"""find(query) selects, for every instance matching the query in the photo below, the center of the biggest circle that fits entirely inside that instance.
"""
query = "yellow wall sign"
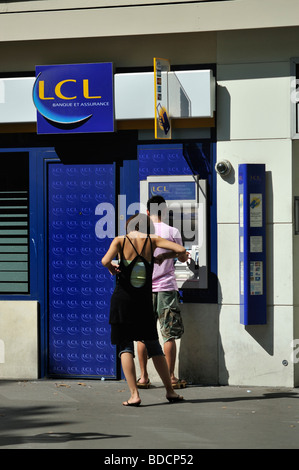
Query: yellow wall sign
(162, 119)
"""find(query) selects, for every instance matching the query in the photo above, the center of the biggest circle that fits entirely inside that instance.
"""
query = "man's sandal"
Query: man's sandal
(180, 383)
(143, 385)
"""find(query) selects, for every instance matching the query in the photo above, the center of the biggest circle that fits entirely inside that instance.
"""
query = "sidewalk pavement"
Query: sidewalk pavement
(88, 414)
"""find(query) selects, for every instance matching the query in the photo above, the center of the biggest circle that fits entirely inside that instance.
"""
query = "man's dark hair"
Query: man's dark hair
(140, 223)
(156, 205)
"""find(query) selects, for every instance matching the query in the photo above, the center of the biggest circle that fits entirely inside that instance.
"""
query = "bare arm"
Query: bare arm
(171, 254)
(177, 251)
(110, 255)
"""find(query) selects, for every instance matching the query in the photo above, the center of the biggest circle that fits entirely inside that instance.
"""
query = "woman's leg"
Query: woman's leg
(155, 352)
(162, 369)
(142, 357)
(128, 365)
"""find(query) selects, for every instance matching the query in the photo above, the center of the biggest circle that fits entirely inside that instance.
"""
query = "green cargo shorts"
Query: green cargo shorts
(167, 310)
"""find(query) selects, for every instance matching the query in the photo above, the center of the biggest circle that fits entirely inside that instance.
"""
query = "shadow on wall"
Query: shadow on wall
(223, 114)
(264, 334)
(201, 355)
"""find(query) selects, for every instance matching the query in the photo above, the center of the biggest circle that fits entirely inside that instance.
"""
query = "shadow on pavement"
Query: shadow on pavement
(14, 420)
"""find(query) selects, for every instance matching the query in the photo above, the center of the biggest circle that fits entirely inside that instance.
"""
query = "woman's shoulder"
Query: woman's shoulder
(118, 240)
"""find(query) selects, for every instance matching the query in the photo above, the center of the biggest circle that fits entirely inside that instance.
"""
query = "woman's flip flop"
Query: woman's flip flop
(127, 403)
(175, 399)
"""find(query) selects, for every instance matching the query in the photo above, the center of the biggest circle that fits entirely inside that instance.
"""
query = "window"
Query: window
(14, 223)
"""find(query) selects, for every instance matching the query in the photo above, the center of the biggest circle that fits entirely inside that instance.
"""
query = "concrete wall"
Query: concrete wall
(254, 125)
(19, 355)
(86, 18)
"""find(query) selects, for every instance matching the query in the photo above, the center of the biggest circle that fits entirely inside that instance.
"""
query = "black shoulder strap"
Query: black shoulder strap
(151, 244)
(145, 241)
(132, 244)
(122, 249)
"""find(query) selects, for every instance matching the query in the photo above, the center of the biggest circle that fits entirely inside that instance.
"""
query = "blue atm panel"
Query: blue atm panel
(79, 286)
(252, 244)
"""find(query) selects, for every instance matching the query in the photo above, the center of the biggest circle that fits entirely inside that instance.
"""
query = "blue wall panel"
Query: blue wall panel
(252, 235)
(160, 159)
(79, 287)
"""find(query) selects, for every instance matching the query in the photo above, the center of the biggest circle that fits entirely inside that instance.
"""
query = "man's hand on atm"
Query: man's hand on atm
(184, 257)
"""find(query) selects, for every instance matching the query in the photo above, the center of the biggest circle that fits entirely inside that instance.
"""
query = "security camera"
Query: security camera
(223, 168)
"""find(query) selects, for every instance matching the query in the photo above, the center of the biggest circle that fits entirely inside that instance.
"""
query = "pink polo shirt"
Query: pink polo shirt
(163, 275)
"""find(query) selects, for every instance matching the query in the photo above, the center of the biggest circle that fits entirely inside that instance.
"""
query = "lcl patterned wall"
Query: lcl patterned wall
(79, 286)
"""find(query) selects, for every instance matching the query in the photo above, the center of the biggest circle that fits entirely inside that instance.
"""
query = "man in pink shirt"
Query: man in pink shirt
(165, 296)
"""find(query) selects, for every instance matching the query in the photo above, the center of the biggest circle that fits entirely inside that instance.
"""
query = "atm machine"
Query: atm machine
(186, 199)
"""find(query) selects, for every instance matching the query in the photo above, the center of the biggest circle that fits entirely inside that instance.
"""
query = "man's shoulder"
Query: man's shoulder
(164, 229)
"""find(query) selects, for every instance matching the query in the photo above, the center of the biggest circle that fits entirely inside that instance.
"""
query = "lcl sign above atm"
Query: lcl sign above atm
(192, 95)
(74, 98)
(173, 190)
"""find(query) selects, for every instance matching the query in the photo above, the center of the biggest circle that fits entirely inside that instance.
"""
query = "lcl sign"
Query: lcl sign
(74, 98)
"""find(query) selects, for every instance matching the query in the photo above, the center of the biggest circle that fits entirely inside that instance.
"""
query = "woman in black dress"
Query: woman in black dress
(131, 310)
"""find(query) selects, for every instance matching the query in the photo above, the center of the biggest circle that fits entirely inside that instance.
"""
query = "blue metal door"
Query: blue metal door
(79, 288)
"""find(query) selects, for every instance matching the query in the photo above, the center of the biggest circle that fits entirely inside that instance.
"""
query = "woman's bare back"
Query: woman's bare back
(142, 246)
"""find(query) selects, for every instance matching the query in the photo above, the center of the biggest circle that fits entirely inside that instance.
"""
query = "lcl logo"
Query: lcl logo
(58, 93)
(74, 96)
(160, 189)
(60, 103)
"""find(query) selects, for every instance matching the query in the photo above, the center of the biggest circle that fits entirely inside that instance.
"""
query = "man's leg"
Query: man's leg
(170, 355)
(172, 328)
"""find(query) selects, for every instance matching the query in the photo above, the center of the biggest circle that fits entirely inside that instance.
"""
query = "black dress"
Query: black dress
(131, 309)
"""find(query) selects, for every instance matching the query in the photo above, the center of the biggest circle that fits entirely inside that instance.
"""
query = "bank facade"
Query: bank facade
(233, 105)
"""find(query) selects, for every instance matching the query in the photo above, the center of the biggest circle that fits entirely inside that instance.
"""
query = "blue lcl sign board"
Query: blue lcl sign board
(74, 98)
(252, 244)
